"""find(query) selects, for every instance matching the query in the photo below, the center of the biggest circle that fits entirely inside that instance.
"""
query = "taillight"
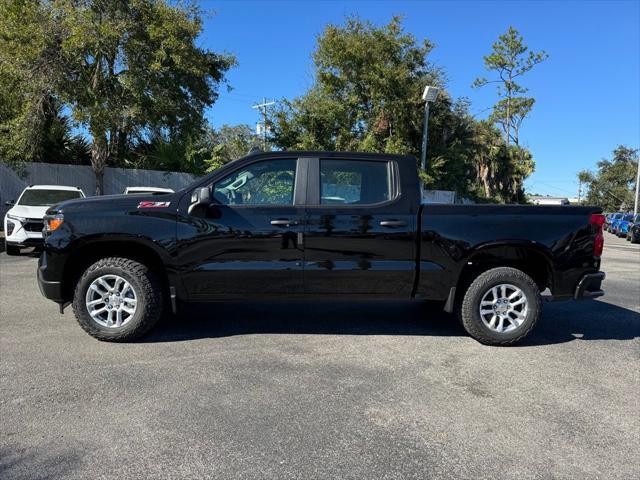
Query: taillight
(598, 220)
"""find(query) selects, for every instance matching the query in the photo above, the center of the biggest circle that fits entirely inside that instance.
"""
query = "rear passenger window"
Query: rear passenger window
(354, 182)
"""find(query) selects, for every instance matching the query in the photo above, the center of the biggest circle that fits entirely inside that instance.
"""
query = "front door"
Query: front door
(249, 240)
(359, 237)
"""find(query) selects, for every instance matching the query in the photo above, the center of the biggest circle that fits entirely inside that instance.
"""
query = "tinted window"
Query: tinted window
(46, 198)
(263, 183)
(352, 182)
(628, 218)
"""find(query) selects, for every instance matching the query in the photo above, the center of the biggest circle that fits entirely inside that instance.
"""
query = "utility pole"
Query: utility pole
(579, 190)
(262, 107)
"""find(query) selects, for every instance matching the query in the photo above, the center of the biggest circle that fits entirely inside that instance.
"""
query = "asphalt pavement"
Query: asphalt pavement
(310, 390)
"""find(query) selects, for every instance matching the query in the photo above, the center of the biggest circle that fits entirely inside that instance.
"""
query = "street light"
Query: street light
(637, 199)
(429, 95)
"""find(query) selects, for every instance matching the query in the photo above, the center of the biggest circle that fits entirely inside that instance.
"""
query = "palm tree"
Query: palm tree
(586, 177)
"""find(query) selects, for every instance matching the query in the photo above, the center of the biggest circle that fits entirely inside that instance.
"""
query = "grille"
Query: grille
(33, 225)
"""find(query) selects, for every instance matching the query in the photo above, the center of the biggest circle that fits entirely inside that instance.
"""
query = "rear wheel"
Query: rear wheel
(501, 306)
(11, 249)
(117, 299)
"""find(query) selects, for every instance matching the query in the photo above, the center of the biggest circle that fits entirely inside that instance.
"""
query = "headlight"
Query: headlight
(16, 218)
(53, 222)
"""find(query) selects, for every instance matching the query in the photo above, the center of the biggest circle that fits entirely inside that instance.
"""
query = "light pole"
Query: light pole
(635, 205)
(429, 95)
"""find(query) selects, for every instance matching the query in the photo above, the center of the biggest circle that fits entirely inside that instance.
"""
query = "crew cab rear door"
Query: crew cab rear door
(249, 240)
(359, 235)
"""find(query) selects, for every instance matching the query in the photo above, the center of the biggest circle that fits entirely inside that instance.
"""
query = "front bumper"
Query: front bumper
(27, 242)
(23, 234)
(590, 286)
(49, 289)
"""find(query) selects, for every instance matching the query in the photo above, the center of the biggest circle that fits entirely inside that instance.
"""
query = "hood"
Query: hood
(115, 203)
(27, 211)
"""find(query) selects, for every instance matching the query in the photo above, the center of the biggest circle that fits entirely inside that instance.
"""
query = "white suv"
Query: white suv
(23, 223)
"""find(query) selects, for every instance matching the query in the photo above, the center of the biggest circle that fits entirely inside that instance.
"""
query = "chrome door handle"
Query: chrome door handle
(393, 223)
(283, 222)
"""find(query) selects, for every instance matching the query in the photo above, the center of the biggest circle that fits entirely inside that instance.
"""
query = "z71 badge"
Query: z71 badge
(149, 204)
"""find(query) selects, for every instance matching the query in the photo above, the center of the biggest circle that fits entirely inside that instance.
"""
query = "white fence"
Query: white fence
(115, 179)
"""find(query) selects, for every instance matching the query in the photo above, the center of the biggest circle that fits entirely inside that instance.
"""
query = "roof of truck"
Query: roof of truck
(328, 154)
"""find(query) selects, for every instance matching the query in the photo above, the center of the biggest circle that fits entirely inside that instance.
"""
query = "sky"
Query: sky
(587, 93)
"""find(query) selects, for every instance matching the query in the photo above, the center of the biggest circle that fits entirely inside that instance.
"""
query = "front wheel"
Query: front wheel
(501, 306)
(117, 300)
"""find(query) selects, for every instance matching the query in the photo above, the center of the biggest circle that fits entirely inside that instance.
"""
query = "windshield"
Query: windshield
(46, 198)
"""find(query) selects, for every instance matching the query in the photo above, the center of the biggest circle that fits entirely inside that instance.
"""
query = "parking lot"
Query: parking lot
(322, 390)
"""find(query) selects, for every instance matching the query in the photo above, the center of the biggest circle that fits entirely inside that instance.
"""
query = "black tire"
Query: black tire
(469, 313)
(12, 250)
(148, 292)
(635, 239)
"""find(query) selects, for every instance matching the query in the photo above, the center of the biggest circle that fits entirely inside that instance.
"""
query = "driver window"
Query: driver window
(270, 182)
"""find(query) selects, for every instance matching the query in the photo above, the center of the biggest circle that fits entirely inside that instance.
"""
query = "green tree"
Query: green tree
(124, 69)
(510, 59)
(28, 109)
(229, 143)
(612, 187)
(585, 177)
(367, 97)
(199, 151)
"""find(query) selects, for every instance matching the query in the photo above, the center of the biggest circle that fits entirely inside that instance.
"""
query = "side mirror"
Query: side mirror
(10, 203)
(200, 200)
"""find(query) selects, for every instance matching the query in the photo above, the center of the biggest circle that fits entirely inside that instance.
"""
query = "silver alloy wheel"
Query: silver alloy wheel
(111, 301)
(503, 308)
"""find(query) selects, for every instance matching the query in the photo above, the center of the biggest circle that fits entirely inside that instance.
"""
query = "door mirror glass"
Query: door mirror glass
(203, 195)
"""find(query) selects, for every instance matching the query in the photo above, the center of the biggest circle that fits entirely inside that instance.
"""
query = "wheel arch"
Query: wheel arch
(89, 252)
(530, 258)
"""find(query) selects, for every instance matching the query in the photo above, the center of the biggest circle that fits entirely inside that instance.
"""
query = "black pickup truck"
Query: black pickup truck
(335, 225)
